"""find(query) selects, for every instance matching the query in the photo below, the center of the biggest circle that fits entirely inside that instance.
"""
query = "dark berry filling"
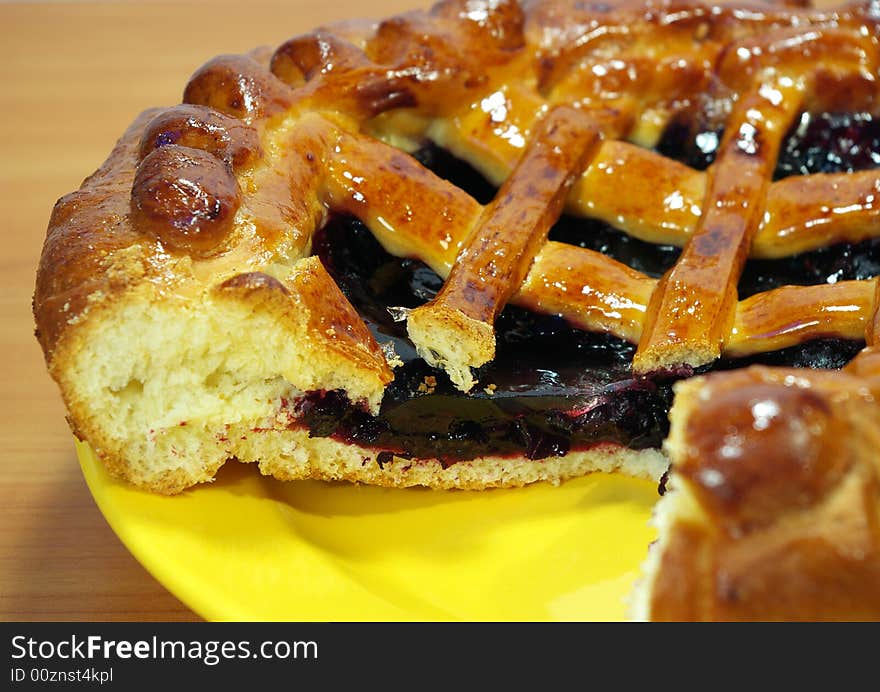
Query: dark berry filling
(841, 262)
(690, 143)
(830, 143)
(553, 388)
(816, 143)
(827, 354)
(550, 389)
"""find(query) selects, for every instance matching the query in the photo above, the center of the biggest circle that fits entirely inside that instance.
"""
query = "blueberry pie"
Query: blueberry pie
(494, 243)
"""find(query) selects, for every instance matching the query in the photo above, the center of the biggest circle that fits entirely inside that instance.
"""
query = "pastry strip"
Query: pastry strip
(589, 289)
(664, 198)
(692, 310)
(456, 329)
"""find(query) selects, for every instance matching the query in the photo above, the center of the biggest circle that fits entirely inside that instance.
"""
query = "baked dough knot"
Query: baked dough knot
(211, 205)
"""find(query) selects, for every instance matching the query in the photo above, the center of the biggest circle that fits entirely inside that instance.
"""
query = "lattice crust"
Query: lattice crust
(291, 143)
(204, 213)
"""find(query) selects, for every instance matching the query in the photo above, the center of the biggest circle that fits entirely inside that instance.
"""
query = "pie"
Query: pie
(494, 243)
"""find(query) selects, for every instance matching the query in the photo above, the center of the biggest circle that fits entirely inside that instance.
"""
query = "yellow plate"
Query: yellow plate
(253, 548)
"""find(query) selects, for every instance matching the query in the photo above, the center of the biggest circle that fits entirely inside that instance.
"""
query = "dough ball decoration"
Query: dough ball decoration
(187, 320)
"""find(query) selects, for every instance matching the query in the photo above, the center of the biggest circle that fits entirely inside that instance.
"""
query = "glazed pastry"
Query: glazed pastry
(374, 256)
(773, 511)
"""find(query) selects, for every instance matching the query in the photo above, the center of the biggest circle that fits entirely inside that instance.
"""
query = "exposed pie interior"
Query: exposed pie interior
(371, 255)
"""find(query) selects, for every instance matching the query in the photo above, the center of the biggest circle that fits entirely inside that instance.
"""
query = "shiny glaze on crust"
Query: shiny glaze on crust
(499, 251)
(800, 540)
(782, 466)
(239, 86)
(528, 60)
(359, 87)
(200, 127)
(665, 199)
(849, 211)
(595, 292)
(690, 312)
(872, 333)
(184, 197)
(511, 230)
(91, 247)
(783, 472)
(311, 297)
(793, 314)
(590, 290)
(732, 474)
(784, 476)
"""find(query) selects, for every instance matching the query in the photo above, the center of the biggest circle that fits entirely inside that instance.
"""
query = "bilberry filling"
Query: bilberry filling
(552, 388)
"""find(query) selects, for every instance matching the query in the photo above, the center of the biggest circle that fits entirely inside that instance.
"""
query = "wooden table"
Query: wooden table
(73, 76)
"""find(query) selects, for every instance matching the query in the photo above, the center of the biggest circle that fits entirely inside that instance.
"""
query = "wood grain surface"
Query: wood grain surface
(73, 76)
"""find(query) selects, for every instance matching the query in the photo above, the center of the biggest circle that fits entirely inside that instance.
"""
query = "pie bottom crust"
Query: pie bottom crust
(291, 454)
(172, 363)
(327, 459)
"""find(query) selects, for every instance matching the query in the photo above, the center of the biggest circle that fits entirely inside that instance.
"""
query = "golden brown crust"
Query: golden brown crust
(456, 329)
(777, 490)
(199, 127)
(692, 310)
(313, 298)
(88, 228)
(239, 86)
(203, 217)
(186, 198)
(281, 197)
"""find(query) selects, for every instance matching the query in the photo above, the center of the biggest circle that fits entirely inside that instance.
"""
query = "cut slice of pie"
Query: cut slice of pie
(488, 244)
